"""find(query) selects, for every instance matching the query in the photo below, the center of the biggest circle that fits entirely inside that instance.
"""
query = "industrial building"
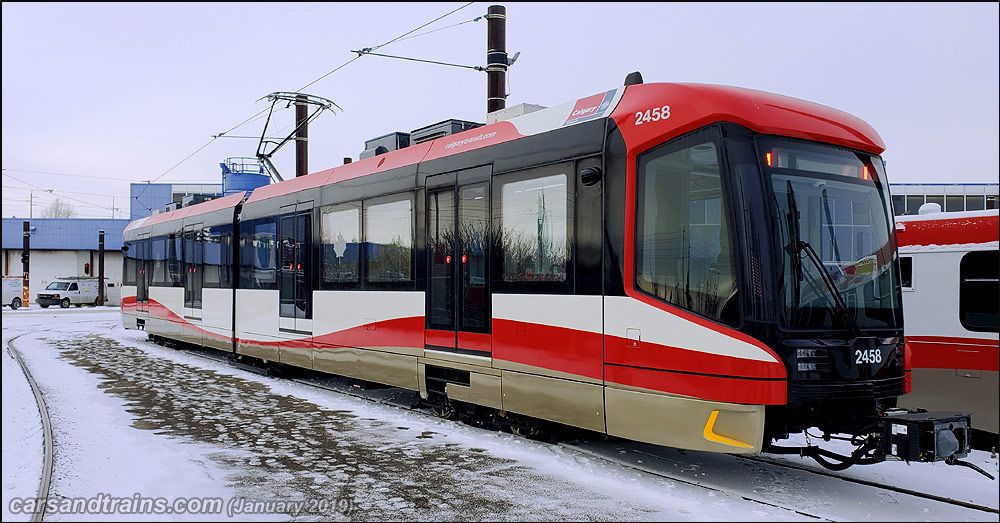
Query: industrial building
(64, 248)
(908, 197)
(68, 247)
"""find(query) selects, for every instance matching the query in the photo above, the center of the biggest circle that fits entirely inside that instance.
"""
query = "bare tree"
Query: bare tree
(59, 209)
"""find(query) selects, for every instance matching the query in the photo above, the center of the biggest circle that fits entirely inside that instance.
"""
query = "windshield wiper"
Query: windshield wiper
(795, 246)
(792, 218)
(841, 305)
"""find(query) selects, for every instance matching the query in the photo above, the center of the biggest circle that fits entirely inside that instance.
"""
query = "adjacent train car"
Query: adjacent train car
(949, 264)
(697, 266)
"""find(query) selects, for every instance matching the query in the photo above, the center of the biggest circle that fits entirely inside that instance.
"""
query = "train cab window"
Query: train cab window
(341, 243)
(683, 254)
(979, 288)
(389, 239)
(535, 215)
(906, 272)
(128, 269)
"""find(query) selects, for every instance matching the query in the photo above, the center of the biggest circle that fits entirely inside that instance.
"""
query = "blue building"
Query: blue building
(64, 247)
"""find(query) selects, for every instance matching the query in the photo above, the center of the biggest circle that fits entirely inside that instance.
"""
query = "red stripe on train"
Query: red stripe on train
(712, 388)
(942, 352)
(948, 231)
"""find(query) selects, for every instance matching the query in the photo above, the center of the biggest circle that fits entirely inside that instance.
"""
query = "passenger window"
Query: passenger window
(683, 254)
(535, 214)
(264, 255)
(979, 288)
(73, 287)
(906, 272)
(389, 239)
(159, 258)
(174, 271)
(341, 240)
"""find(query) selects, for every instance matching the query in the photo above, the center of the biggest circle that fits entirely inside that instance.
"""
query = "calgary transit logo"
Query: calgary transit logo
(590, 107)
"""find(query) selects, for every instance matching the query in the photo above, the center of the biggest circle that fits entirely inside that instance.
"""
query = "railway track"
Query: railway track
(47, 438)
(640, 456)
(654, 461)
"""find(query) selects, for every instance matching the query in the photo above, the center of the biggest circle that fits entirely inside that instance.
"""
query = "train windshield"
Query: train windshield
(838, 260)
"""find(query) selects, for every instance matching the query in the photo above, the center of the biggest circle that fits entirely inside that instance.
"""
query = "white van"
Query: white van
(12, 292)
(63, 292)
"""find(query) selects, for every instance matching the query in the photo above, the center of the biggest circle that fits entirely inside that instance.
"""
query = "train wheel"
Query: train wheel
(444, 409)
(15, 304)
(64, 303)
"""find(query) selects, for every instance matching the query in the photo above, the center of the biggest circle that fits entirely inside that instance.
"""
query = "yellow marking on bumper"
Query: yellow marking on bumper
(712, 436)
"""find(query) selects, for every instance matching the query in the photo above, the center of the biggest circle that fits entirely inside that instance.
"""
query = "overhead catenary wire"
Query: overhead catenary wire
(404, 36)
(53, 190)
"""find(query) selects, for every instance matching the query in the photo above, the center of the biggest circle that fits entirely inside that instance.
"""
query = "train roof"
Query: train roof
(966, 228)
(690, 106)
(190, 211)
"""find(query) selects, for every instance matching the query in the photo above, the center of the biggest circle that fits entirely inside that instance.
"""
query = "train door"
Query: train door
(142, 273)
(458, 284)
(294, 271)
(192, 251)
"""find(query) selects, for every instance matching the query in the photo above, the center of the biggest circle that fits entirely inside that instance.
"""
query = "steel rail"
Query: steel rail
(47, 437)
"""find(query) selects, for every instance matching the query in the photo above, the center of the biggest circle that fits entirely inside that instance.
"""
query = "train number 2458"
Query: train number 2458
(868, 356)
(652, 115)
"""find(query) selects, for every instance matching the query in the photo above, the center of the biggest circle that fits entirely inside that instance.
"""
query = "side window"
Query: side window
(159, 257)
(341, 243)
(683, 254)
(128, 269)
(979, 291)
(536, 217)
(175, 272)
(73, 287)
(906, 272)
(388, 238)
(263, 255)
(213, 257)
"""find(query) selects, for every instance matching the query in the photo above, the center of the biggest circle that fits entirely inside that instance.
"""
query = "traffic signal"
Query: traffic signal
(86, 269)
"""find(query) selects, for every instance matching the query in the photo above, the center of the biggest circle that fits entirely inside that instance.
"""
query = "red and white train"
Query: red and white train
(951, 296)
(696, 266)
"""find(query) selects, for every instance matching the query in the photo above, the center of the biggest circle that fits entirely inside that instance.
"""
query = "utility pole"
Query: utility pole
(25, 250)
(31, 204)
(100, 267)
(301, 137)
(496, 58)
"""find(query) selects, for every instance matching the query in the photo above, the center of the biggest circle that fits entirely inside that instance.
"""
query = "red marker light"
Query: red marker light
(864, 173)
(465, 258)
(447, 259)
(768, 159)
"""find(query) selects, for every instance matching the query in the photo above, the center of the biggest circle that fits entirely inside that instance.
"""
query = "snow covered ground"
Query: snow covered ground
(136, 420)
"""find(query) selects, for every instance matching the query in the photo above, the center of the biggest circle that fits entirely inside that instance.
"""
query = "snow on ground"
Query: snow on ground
(133, 418)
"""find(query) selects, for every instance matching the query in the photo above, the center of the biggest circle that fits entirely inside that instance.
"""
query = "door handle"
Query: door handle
(632, 338)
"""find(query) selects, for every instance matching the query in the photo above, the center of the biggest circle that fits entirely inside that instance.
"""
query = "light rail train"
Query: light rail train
(696, 266)
(949, 265)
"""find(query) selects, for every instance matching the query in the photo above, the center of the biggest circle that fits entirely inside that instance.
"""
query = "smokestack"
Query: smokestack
(496, 58)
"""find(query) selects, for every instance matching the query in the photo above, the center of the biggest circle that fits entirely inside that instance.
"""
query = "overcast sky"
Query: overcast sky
(117, 93)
